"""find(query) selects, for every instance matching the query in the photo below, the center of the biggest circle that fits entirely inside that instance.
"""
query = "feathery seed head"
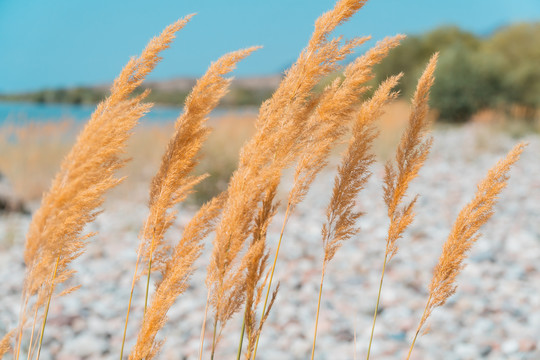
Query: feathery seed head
(411, 154)
(464, 232)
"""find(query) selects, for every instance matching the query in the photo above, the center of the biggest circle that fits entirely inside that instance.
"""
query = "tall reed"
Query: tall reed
(411, 154)
(178, 270)
(281, 133)
(464, 234)
(173, 182)
(171, 185)
(328, 124)
(352, 175)
(54, 238)
(256, 271)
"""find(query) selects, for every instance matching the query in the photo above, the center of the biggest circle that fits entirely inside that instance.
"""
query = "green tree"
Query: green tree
(519, 48)
(466, 82)
(414, 52)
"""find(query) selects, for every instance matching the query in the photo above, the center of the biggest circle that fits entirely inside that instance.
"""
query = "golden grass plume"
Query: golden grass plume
(411, 154)
(178, 270)
(464, 234)
(88, 171)
(173, 182)
(329, 122)
(331, 113)
(353, 173)
(281, 132)
(171, 185)
(257, 258)
(5, 343)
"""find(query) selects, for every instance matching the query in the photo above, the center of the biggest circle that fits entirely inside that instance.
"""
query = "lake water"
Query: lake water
(22, 113)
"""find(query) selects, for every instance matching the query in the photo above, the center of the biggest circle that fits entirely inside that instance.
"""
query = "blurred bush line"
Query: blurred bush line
(500, 72)
(238, 96)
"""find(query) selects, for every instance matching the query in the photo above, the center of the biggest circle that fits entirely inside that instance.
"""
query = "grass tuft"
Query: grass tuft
(297, 128)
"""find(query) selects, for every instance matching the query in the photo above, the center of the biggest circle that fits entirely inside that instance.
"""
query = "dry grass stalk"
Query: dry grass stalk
(256, 271)
(328, 123)
(289, 109)
(173, 182)
(5, 343)
(464, 234)
(281, 131)
(411, 154)
(178, 270)
(86, 173)
(351, 178)
(331, 119)
(353, 173)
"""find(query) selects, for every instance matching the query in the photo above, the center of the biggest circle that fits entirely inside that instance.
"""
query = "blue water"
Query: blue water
(22, 113)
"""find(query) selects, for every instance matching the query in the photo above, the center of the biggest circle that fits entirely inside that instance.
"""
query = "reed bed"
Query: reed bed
(297, 128)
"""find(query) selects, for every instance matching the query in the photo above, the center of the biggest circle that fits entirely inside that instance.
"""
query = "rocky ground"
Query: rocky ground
(495, 313)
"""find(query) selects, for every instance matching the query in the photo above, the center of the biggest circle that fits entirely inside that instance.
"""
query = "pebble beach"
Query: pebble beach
(494, 314)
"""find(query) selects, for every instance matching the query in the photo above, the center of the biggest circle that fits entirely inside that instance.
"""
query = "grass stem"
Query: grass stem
(214, 339)
(419, 327)
(31, 347)
(22, 319)
(241, 338)
(47, 308)
(129, 303)
(131, 295)
(375, 313)
(147, 284)
(272, 272)
(203, 328)
(149, 271)
(318, 309)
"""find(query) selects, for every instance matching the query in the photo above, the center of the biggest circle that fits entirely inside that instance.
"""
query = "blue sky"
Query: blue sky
(56, 43)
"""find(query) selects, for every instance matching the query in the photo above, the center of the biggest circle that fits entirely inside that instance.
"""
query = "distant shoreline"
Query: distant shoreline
(243, 92)
(21, 112)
